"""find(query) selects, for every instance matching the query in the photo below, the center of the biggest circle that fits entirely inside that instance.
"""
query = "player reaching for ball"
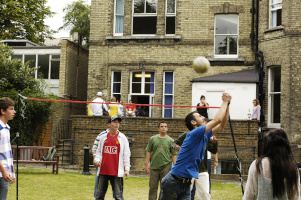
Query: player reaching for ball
(176, 184)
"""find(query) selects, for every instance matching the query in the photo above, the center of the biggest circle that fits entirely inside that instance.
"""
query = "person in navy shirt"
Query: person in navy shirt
(176, 184)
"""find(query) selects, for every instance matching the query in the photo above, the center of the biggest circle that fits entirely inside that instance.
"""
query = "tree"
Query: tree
(15, 78)
(23, 19)
(77, 19)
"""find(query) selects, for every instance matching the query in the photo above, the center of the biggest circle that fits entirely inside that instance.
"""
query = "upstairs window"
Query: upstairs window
(274, 95)
(170, 22)
(145, 17)
(275, 13)
(116, 85)
(226, 36)
(119, 17)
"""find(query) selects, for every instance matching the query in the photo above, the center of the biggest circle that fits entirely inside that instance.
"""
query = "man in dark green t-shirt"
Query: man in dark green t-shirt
(160, 154)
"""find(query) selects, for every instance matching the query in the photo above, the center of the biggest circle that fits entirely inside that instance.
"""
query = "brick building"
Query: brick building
(143, 51)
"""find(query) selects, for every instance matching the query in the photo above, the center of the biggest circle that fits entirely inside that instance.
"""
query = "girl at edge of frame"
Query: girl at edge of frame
(275, 174)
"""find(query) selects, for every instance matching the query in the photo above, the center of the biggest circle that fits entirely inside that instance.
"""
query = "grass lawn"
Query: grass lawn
(42, 184)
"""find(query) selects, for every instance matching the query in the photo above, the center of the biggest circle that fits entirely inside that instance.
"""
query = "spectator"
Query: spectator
(130, 110)
(275, 174)
(256, 110)
(161, 154)
(7, 173)
(89, 108)
(120, 108)
(203, 111)
(139, 112)
(112, 159)
(113, 107)
(99, 108)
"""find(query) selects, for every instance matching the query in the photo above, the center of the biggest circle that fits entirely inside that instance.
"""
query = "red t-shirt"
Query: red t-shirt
(110, 156)
(130, 107)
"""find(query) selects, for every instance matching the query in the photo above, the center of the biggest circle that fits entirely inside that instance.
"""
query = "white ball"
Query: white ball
(201, 64)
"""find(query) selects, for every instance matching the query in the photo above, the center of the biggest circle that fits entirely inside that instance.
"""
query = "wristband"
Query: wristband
(216, 161)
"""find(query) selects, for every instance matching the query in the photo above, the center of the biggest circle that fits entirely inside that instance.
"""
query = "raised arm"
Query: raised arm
(222, 125)
(220, 115)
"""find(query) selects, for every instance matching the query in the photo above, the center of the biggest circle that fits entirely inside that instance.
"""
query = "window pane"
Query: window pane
(168, 112)
(136, 76)
(151, 6)
(149, 76)
(136, 87)
(119, 7)
(118, 97)
(220, 45)
(168, 100)
(169, 77)
(32, 59)
(55, 70)
(117, 77)
(43, 63)
(168, 88)
(233, 45)
(226, 24)
(116, 87)
(144, 25)
(17, 57)
(171, 6)
(139, 6)
(275, 100)
(170, 25)
(276, 82)
(279, 17)
(119, 24)
(149, 88)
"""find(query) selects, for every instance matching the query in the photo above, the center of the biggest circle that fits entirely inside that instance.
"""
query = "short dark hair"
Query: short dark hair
(188, 120)
(162, 122)
(202, 97)
(5, 102)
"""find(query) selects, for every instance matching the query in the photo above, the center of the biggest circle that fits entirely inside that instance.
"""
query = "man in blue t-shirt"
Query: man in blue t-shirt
(176, 184)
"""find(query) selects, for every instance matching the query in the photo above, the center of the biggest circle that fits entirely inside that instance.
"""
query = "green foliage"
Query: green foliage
(77, 19)
(15, 78)
(23, 19)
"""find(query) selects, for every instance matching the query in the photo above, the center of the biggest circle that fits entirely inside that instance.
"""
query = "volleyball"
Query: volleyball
(201, 64)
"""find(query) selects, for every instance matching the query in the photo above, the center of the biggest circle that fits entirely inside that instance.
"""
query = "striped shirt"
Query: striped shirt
(6, 156)
(96, 142)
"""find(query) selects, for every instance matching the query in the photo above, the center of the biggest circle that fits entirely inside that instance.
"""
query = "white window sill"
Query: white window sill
(277, 28)
(274, 125)
(226, 59)
(144, 37)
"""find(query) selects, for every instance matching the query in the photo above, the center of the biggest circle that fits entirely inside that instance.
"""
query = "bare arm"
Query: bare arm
(174, 158)
(222, 125)
(216, 160)
(5, 174)
(220, 116)
(148, 156)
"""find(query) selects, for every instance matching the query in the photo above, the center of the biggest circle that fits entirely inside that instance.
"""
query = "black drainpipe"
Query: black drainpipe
(259, 60)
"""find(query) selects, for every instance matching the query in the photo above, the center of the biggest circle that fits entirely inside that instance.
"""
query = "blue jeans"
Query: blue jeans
(209, 172)
(173, 189)
(96, 184)
(3, 189)
(117, 186)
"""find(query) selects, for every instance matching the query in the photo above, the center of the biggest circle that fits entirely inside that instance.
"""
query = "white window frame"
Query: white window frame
(142, 15)
(112, 83)
(278, 5)
(226, 55)
(142, 83)
(270, 80)
(173, 93)
(114, 24)
(170, 15)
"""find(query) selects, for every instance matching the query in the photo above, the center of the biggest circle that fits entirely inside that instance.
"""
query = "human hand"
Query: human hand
(213, 139)
(147, 169)
(97, 164)
(177, 148)
(6, 176)
(13, 181)
(215, 164)
(127, 174)
(226, 97)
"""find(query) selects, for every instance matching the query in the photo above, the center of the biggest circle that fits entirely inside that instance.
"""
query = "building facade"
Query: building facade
(143, 50)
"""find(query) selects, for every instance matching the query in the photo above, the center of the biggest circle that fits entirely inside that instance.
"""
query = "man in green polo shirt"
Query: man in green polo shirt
(160, 154)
